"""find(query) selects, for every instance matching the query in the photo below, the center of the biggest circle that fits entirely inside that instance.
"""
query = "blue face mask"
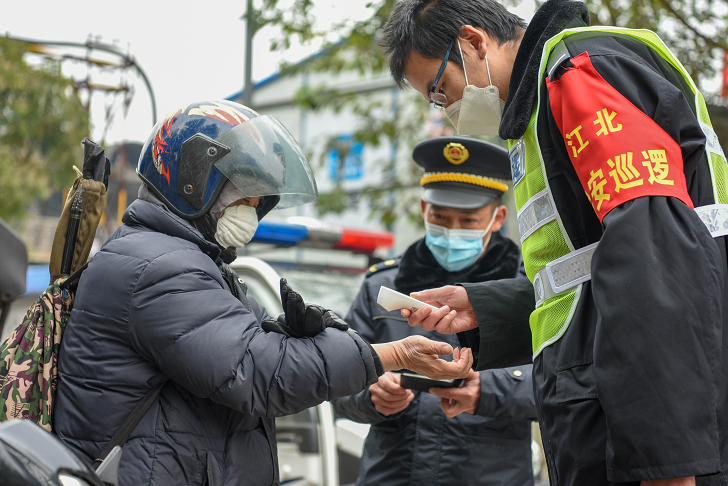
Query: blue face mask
(456, 249)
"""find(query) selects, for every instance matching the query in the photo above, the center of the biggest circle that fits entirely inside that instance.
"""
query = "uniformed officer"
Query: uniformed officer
(448, 436)
(620, 187)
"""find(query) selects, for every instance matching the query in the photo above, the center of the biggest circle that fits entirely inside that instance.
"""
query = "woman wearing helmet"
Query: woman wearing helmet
(158, 304)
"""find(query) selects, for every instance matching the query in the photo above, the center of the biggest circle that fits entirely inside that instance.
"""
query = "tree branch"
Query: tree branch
(710, 41)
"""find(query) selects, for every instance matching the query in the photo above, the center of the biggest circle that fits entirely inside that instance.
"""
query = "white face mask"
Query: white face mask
(480, 110)
(236, 226)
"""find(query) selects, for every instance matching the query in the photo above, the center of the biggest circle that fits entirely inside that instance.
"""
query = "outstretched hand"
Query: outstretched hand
(455, 313)
(422, 355)
(461, 399)
(388, 396)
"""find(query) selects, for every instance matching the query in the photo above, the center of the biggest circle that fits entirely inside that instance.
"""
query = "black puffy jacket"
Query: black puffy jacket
(153, 306)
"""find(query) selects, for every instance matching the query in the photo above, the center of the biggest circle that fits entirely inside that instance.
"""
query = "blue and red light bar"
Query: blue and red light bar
(311, 233)
(283, 234)
(363, 241)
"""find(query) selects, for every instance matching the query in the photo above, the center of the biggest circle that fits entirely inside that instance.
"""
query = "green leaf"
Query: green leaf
(42, 123)
(695, 30)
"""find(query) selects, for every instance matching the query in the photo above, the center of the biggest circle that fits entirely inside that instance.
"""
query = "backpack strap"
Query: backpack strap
(74, 276)
(123, 433)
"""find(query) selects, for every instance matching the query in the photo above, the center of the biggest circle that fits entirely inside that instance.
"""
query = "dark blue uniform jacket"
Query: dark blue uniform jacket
(421, 445)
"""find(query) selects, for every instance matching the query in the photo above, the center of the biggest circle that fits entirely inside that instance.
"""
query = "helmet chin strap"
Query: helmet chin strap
(228, 255)
(266, 204)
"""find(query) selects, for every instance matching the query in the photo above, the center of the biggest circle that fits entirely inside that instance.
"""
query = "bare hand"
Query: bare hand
(670, 482)
(455, 313)
(463, 399)
(419, 354)
(388, 396)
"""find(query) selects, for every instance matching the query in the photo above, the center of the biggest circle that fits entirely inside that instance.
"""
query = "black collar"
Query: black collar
(553, 17)
(418, 269)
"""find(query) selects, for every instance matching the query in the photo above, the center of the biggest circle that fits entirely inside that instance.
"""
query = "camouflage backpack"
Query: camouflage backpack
(29, 357)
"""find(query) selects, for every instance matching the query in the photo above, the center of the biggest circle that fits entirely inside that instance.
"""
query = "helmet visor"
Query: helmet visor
(265, 160)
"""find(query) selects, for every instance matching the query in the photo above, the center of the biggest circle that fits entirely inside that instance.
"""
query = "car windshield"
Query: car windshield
(331, 287)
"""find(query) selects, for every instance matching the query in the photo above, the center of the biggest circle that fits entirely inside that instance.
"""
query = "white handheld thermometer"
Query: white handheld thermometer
(392, 300)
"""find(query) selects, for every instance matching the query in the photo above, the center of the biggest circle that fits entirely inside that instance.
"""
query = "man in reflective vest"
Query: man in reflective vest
(620, 186)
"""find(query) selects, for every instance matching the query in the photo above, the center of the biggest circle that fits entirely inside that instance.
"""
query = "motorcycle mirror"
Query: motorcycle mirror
(33, 457)
(108, 471)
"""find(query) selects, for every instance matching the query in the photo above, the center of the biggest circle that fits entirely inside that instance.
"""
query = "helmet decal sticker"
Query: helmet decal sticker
(221, 112)
(161, 142)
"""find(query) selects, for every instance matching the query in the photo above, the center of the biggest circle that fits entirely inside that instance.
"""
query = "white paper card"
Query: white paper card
(392, 300)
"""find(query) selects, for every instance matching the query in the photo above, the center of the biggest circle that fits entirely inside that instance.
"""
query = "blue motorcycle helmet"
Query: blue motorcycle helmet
(194, 151)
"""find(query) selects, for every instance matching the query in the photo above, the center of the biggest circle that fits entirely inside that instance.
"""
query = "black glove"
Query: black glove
(300, 319)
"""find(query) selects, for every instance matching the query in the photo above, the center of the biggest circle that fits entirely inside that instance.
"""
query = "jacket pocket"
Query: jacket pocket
(576, 382)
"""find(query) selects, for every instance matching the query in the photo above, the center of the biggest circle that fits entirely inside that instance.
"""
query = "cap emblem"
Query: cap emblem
(455, 153)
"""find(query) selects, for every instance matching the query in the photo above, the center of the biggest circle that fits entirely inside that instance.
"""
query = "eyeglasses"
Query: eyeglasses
(436, 98)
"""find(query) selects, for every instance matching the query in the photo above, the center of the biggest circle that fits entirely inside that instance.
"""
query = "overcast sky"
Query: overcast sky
(190, 50)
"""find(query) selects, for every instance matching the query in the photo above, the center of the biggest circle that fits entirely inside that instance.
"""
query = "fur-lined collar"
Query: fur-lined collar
(553, 17)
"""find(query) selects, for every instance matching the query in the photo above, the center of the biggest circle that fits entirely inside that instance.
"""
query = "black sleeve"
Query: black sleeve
(359, 408)
(503, 337)
(656, 280)
(507, 393)
(182, 319)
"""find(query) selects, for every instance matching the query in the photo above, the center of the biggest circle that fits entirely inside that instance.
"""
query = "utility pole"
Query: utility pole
(249, 33)
(123, 162)
(41, 47)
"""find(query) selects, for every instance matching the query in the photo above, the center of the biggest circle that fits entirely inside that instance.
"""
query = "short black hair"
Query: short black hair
(428, 27)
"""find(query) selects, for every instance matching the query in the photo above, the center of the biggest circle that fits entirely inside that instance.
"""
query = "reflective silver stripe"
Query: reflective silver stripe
(563, 274)
(712, 142)
(574, 268)
(537, 211)
(541, 290)
(715, 218)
